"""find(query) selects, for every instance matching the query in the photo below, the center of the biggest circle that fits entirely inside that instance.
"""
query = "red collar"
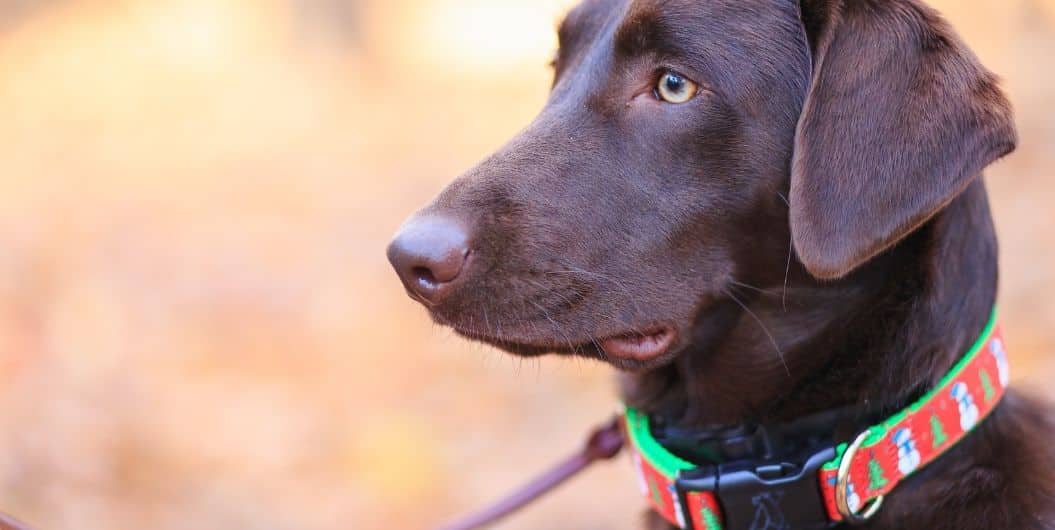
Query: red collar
(830, 485)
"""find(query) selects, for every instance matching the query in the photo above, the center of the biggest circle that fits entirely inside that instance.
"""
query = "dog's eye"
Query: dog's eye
(675, 88)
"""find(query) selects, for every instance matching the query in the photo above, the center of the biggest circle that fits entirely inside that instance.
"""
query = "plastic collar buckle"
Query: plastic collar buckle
(772, 496)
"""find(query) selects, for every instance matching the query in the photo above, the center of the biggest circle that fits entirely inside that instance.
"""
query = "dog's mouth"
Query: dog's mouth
(644, 345)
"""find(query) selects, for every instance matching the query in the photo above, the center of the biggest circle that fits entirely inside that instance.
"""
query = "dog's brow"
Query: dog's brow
(565, 28)
(571, 23)
(644, 28)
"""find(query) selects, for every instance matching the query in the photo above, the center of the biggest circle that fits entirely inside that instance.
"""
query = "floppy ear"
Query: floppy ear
(900, 118)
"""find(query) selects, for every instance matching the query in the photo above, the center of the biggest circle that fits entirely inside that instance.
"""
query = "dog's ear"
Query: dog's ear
(899, 119)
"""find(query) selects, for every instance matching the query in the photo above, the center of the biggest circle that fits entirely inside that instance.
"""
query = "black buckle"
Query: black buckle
(772, 496)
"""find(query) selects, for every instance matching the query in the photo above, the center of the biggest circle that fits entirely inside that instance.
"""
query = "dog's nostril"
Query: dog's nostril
(429, 254)
(425, 277)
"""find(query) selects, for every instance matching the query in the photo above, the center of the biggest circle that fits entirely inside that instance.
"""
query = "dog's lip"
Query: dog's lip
(510, 344)
(644, 345)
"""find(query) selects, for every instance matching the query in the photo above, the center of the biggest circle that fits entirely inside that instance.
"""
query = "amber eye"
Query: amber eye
(675, 88)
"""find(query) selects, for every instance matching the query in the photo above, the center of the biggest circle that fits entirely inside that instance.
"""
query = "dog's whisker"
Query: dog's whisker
(760, 290)
(787, 267)
(784, 199)
(607, 316)
(534, 326)
(576, 270)
(487, 320)
(787, 273)
(577, 349)
(557, 327)
(597, 345)
(765, 329)
(568, 300)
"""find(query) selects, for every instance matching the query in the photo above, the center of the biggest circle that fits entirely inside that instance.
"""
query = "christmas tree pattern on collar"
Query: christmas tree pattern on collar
(885, 455)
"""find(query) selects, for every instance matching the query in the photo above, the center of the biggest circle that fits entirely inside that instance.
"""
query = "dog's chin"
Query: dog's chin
(651, 347)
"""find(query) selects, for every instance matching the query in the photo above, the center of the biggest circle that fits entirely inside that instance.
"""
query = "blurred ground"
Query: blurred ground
(197, 325)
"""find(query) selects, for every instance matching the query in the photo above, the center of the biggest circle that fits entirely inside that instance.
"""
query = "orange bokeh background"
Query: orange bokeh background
(198, 328)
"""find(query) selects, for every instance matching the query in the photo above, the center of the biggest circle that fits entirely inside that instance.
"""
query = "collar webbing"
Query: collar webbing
(890, 451)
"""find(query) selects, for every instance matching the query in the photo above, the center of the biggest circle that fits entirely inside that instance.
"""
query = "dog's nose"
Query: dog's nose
(429, 254)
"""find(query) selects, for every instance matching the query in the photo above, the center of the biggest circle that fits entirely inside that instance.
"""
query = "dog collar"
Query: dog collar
(832, 483)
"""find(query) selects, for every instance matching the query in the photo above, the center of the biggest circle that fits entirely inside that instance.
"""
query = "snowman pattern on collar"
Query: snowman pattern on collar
(1003, 367)
(908, 456)
(969, 413)
(853, 500)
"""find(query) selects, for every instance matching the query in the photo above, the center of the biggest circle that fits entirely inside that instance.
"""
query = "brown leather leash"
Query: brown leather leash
(604, 443)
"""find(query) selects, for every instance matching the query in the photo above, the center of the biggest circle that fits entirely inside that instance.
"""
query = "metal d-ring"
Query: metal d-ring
(842, 485)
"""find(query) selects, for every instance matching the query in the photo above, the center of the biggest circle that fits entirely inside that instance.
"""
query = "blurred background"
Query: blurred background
(198, 328)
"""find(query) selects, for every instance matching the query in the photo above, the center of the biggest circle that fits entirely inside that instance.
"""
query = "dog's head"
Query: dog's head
(685, 146)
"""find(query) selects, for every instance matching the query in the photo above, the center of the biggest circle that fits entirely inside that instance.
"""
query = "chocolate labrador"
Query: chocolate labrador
(758, 210)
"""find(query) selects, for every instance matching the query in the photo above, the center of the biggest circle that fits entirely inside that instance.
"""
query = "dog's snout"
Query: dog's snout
(430, 254)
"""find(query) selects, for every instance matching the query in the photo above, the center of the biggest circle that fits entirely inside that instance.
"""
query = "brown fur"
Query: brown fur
(813, 225)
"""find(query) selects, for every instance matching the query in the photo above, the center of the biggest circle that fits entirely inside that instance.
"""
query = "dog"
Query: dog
(756, 210)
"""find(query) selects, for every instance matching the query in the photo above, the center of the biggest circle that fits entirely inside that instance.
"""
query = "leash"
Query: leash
(604, 443)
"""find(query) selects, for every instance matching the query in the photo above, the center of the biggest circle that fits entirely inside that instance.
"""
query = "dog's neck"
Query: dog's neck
(877, 339)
